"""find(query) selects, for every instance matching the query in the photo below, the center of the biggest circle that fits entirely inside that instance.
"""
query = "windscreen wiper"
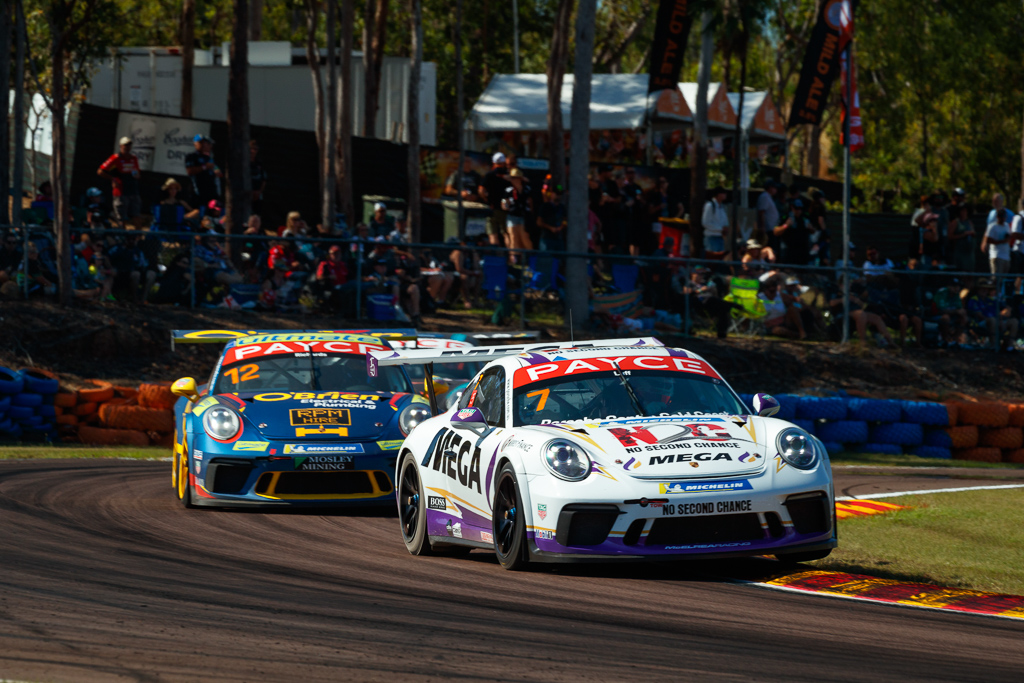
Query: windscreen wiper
(312, 368)
(629, 390)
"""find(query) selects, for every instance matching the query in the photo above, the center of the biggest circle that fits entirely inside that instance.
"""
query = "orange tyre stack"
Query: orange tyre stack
(107, 415)
(998, 431)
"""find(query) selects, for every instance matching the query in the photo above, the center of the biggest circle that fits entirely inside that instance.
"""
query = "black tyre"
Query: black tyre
(412, 508)
(809, 556)
(509, 521)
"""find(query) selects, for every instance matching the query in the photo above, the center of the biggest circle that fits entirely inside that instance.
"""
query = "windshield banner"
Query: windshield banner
(251, 351)
(566, 368)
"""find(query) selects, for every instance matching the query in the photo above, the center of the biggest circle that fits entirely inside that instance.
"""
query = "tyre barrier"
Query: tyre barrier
(1001, 437)
(748, 402)
(931, 452)
(11, 382)
(964, 436)
(27, 400)
(983, 414)
(979, 454)
(873, 410)
(156, 395)
(47, 411)
(931, 414)
(138, 418)
(832, 447)
(898, 434)
(100, 391)
(953, 414)
(787, 406)
(112, 437)
(1016, 414)
(806, 425)
(18, 413)
(87, 408)
(938, 438)
(843, 431)
(5, 403)
(38, 381)
(1016, 455)
(816, 408)
(883, 448)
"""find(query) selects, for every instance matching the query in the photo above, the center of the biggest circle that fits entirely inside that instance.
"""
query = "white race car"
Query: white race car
(603, 450)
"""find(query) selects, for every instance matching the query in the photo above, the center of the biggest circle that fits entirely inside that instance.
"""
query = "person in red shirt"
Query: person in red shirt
(122, 170)
(332, 270)
(334, 290)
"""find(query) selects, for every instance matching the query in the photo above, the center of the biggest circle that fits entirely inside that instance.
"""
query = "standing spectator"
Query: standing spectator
(914, 237)
(998, 203)
(466, 183)
(492, 191)
(961, 239)
(997, 242)
(551, 220)
(610, 210)
(1017, 234)
(10, 257)
(638, 233)
(205, 175)
(257, 176)
(930, 246)
(659, 205)
(795, 237)
(516, 204)
(715, 222)
(122, 170)
(767, 212)
(172, 212)
(381, 224)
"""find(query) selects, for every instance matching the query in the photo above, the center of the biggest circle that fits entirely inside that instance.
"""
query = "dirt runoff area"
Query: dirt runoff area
(131, 344)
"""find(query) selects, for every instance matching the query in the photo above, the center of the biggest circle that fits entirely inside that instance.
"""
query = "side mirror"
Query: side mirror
(470, 419)
(186, 386)
(765, 405)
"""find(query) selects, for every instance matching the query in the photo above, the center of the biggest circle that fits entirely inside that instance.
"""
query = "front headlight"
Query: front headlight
(411, 416)
(222, 423)
(797, 448)
(566, 460)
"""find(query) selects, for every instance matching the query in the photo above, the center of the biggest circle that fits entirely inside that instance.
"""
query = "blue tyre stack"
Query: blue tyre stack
(27, 412)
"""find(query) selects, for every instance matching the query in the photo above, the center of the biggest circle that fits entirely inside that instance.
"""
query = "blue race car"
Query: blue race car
(290, 418)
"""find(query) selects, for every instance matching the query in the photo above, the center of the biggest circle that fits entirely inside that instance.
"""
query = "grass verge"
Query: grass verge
(969, 539)
(914, 461)
(35, 452)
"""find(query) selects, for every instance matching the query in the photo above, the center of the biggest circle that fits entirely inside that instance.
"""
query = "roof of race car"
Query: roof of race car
(267, 338)
(540, 365)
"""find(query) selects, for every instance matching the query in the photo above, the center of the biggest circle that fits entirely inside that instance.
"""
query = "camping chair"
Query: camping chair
(545, 275)
(748, 312)
(624, 276)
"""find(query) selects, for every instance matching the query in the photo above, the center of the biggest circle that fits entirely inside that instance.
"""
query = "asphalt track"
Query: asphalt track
(105, 577)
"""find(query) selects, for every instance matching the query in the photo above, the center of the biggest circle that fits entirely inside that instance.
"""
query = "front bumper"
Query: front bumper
(230, 479)
(795, 514)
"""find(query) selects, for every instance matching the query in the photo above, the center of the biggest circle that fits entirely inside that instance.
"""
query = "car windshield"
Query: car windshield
(299, 372)
(461, 372)
(603, 395)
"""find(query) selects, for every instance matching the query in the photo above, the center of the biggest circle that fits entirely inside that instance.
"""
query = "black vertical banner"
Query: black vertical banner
(670, 36)
(821, 67)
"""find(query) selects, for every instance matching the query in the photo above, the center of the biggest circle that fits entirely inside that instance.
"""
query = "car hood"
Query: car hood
(321, 415)
(688, 447)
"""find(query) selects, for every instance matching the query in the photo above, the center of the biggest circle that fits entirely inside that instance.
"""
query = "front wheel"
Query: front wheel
(509, 521)
(184, 486)
(412, 508)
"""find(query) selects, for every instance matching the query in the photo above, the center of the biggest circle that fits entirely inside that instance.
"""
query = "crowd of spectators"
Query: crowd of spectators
(296, 266)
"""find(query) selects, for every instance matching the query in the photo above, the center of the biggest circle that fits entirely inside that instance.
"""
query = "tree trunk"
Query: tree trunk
(577, 296)
(343, 158)
(239, 202)
(699, 175)
(58, 173)
(313, 57)
(416, 61)
(18, 179)
(188, 55)
(460, 135)
(327, 201)
(739, 149)
(814, 151)
(374, 35)
(556, 76)
(256, 20)
(5, 78)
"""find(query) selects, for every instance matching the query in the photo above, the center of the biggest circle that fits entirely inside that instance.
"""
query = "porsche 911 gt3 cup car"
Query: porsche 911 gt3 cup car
(603, 450)
(291, 419)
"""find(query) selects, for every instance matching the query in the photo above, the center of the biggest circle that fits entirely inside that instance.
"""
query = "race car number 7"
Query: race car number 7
(542, 401)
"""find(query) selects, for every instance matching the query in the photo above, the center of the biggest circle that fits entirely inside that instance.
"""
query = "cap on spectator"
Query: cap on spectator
(125, 141)
(335, 248)
(169, 183)
(792, 280)
(197, 138)
(380, 262)
(93, 192)
(959, 192)
(498, 158)
(380, 206)
(852, 246)
(214, 205)
(718, 190)
(753, 244)
(798, 204)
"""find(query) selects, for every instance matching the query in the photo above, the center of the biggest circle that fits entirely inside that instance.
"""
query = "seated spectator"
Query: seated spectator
(280, 289)
(439, 276)
(884, 299)
(10, 257)
(214, 263)
(96, 213)
(380, 279)
(987, 318)
(781, 320)
(174, 286)
(859, 315)
(946, 309)
(756, 259)
(83, 281)
(469, 270)
(103, 270)
(465, 183)
(252, 249)
(134, 272)
(876, 264)
(410, 289)
(381, 224)
(702, 291)
(292, 222)
(171, 214)
(401, 234)
(42, 280)
(45, 192)
(332, 281)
